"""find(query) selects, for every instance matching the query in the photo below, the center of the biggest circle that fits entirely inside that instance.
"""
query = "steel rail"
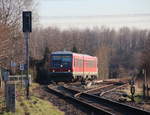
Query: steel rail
(90, 107)
(120, 107)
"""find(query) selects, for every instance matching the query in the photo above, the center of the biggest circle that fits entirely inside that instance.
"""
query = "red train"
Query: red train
(69, 66)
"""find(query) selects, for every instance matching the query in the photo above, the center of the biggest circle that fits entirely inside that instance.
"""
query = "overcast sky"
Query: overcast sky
(89, 13)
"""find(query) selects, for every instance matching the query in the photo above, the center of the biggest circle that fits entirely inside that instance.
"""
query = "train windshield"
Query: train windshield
(61, 61)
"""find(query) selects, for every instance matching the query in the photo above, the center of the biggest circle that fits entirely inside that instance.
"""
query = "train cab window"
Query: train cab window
(61, 61)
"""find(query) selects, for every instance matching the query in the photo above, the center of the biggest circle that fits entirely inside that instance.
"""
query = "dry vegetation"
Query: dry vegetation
(120, 52)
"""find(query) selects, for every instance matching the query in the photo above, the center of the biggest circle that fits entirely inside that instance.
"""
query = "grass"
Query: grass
(138, 98)
(34, 106)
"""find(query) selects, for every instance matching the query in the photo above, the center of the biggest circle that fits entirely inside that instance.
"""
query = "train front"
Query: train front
(60, 66)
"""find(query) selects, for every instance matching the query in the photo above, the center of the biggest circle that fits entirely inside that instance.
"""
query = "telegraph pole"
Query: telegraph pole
(27, 28)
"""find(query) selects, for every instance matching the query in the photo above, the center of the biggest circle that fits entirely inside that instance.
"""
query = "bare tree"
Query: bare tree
(145, 57)
(118, 51)
(103, 53)
(10, 28)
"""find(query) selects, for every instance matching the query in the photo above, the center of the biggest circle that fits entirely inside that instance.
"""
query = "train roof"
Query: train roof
(62, 52)
(69, 52)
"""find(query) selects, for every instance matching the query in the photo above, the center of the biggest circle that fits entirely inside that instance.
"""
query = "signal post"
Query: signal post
(27, 28)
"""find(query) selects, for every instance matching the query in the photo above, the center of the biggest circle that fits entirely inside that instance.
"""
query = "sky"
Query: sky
(91, 13)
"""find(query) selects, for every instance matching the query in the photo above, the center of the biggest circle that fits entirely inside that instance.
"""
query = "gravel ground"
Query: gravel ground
(68, 107)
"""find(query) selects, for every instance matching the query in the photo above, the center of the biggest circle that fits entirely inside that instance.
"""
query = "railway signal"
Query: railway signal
(27, 21)
(27, 28)
(132, 89)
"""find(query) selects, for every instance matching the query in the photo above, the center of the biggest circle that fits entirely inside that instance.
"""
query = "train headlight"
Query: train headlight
(61, 65)
(53, 70)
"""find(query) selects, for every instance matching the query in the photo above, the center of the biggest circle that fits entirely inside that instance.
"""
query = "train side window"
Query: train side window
(74, 62)
(79, 63)
(87, 63)
(93, 63)
(90, 64)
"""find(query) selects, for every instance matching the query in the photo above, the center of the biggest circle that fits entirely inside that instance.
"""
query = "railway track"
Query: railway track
(95, 104)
